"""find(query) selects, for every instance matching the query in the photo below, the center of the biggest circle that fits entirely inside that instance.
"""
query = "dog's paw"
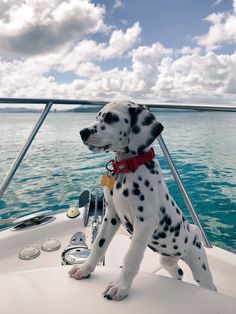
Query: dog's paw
(117, 290)
(79, 272)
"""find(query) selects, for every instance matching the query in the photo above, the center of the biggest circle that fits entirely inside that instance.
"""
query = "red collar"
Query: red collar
(127, 165)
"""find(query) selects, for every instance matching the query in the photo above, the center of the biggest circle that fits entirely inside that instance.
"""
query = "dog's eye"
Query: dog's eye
(111, 118)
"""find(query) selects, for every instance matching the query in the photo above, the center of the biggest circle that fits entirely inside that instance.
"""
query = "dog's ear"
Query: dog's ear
(144, 128)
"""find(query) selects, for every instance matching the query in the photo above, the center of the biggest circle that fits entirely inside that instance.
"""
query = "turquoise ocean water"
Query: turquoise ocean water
(58, 166)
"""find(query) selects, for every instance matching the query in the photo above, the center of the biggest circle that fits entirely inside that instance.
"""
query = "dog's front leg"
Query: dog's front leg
(111, 223)
(143, 231)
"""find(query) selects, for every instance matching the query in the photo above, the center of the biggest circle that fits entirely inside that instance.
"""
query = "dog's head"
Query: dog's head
(122, 127)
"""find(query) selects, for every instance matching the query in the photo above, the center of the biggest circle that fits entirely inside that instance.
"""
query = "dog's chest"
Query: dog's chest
(132, 192)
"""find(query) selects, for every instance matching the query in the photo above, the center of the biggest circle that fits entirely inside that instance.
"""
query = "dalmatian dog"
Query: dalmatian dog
(141, 202)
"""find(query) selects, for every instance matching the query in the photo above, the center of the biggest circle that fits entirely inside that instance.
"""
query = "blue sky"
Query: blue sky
(172, 22)
(178, 50)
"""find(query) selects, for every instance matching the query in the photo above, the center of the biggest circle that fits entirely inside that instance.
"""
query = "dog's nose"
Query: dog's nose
(85, 133)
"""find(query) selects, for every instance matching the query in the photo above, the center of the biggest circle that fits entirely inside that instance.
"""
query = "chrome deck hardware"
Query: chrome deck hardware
(77, 252)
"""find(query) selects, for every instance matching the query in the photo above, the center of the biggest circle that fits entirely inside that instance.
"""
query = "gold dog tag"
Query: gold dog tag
(108, 181)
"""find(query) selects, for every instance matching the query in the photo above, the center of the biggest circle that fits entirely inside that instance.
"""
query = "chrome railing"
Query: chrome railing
(50, 102)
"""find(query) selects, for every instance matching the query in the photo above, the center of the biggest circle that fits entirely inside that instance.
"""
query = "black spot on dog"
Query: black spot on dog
(128, 225)
(113, 221)
(165, 254)
(140, 208)
(163, 209)
(105, 219)
(126, 192)
(136, 191)
(141, 148)
(146, 182)
(142, 198)
(155, 237)
(148, 120)
(185, 240)
(163, 245)
(150, 164)
(162, 235)
(178, 225)
(174, 240)
(136, 129)
(172, 202)
(126, 149)
(177, 254)
(140, 218)
(103, 127)
(204, 266)
(126, 120)
(133, 116)
(194, 240)
(198, 244)
(135, 185)
(166, 228)
(180, 272)
(124, 181)
(140, 179)
(162, 221)
(111, 192)
(101, 242)
(155, 242)
(175, 247)
(167, 196)
(111, 118)
(176, 233)
(152, 248)
(168, 220)
(118, 185)
(172, 229)
(177, 211)
(151, 189)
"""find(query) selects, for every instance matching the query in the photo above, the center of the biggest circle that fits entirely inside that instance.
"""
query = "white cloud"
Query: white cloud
(155, 72)
(90, 51)
(186, 50)
(118, 4)
(199, 77)
(145, 62)
(217, 2)
(39, 26)
(222, 30)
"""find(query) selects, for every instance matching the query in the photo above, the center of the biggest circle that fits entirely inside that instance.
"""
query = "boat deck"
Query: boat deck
(222, 263)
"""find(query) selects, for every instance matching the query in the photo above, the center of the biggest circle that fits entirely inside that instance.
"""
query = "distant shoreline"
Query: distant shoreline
(93, 109)
(30, 110)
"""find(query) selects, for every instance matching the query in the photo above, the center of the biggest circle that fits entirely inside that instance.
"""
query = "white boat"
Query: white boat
(39, 283)
(37, 253)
